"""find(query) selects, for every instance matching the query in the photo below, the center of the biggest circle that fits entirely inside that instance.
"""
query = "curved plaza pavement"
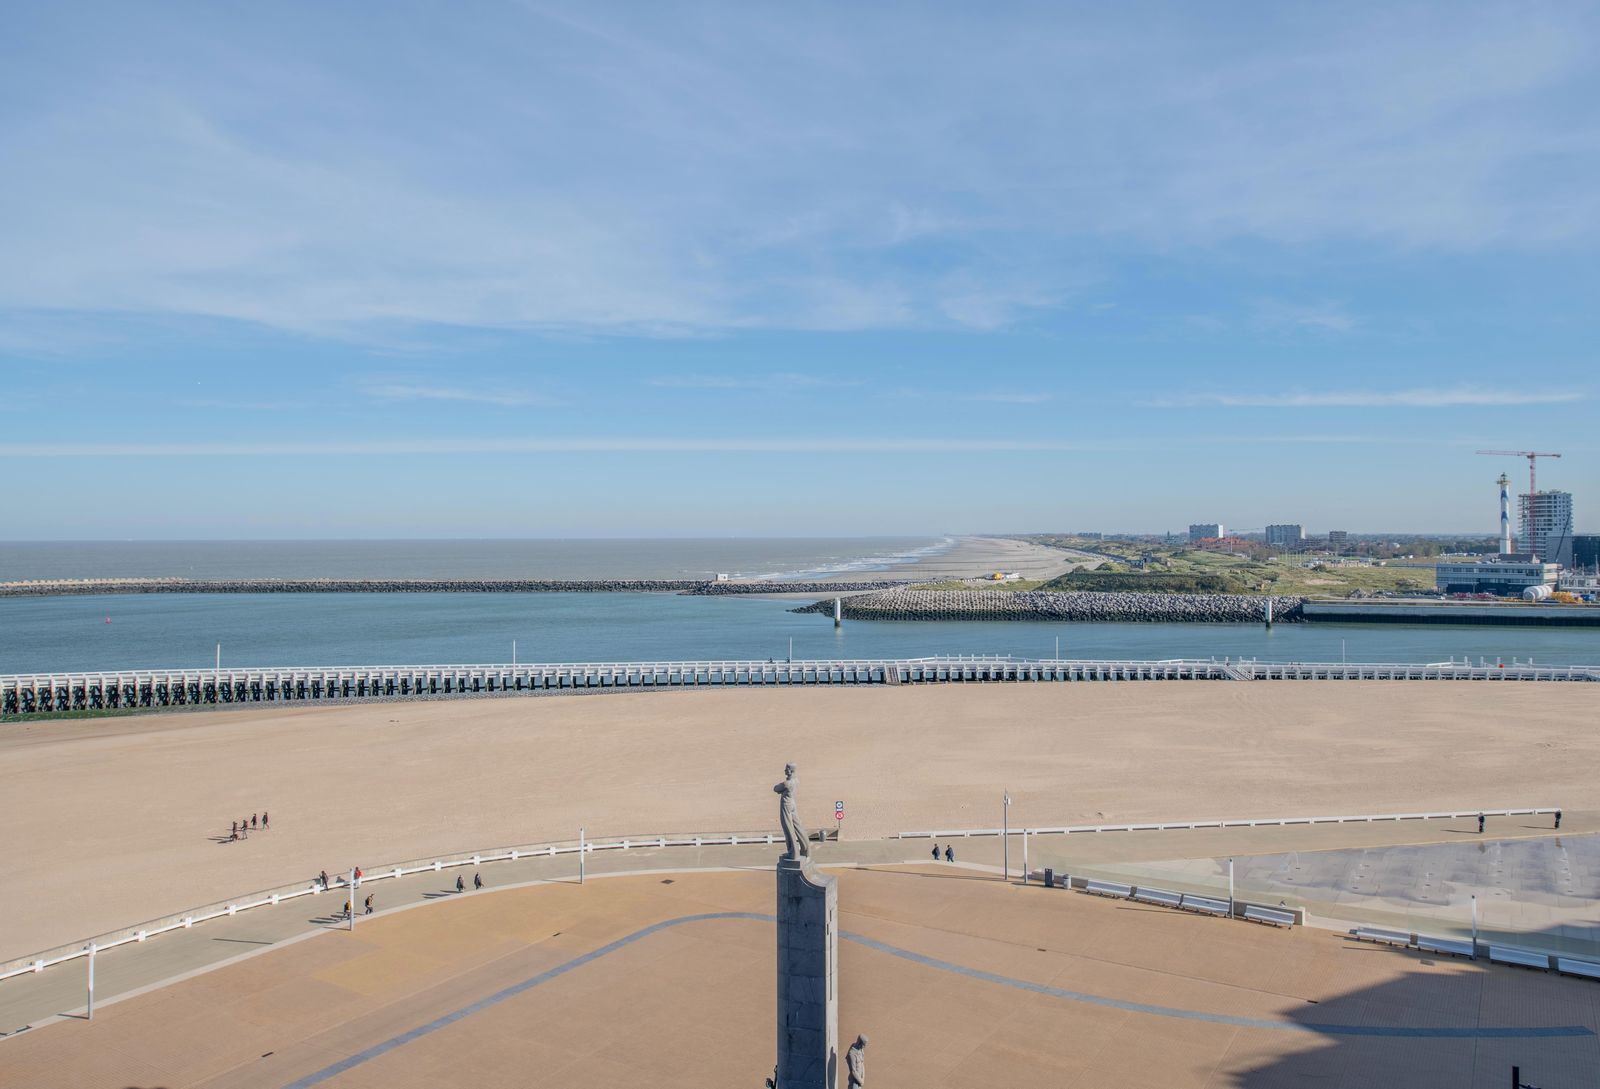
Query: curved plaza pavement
(661, 974)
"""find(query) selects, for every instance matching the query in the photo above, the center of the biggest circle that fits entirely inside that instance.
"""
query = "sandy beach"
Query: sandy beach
(112, 822)
(975, 557)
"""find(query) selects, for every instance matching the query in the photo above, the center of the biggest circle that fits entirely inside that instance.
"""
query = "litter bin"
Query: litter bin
(1049, 878)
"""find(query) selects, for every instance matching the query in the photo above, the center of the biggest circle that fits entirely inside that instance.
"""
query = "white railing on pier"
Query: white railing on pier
(184, 920)
(1257, 822)
(62, 691)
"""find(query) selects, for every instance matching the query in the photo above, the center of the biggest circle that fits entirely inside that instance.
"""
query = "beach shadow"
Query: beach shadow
(1364, 1035)
(243, 941)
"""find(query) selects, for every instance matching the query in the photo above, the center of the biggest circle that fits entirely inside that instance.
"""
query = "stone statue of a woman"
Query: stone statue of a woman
(794, 836)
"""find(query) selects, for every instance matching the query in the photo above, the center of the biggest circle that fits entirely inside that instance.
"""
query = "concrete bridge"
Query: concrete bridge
(155, 688)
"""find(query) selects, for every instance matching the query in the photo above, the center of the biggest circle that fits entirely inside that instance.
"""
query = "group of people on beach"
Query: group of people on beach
(949, 852)
(242, 828)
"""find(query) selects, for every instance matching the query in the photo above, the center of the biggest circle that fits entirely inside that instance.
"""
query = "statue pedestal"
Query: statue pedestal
(808, 987)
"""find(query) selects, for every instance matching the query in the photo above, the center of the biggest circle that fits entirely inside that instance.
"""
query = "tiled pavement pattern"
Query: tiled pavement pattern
(691, 1005)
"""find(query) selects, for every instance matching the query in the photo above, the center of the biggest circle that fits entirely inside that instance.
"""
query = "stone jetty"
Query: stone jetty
(78, 587)
(1062, 605)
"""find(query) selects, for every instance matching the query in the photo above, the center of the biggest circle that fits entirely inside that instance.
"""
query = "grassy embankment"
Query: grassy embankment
(1178, 569)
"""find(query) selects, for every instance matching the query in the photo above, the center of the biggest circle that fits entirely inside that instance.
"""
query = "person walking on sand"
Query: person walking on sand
(1480, 824)
(1558, 818)
(234, 832)
(949, 852)
(461, 884)
(264, 823)
(477, 882)
(253, 817)
(368, 905)
(322, 879)
(936, 852)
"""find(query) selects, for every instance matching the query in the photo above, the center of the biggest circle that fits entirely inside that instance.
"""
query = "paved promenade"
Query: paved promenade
(666, 980)
(1182, 859)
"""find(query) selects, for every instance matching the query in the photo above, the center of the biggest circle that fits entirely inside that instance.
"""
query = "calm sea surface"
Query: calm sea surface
(675, 558)
(44, 634)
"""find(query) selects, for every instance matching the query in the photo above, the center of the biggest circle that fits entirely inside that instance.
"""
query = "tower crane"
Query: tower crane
(1532, 455)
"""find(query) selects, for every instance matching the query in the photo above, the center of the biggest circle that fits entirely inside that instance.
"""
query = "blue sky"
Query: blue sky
(542, 270)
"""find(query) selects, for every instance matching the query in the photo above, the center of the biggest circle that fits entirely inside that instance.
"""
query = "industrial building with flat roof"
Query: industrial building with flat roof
(1505, 576)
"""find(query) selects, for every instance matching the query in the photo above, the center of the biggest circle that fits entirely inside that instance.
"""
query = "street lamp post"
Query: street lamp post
(1005, 838)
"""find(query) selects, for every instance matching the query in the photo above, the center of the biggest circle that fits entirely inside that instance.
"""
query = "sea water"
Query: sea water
(170, 630)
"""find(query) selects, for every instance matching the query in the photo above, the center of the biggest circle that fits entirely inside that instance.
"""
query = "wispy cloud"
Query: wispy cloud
(1002, 397)
(570, 445)
(843, 444)
(403, 391)
(653, 172)
(787, 380)
(1458, 397)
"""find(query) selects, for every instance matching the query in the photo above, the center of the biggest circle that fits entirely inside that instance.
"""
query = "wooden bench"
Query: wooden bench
(1269, 916)
(1522, 958)
(1108, 888)
(1384, 937)
(1157, 896)
(1453, 947)
(1569, 967)
(1204, 904)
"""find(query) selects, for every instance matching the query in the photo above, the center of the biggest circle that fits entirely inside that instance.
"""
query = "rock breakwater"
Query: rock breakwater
(1059, 605)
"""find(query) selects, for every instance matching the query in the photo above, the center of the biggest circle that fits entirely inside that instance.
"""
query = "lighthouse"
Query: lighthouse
(1505, 514)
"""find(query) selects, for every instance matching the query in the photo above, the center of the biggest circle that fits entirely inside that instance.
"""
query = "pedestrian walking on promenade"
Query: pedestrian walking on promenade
(949, 852)
(322, 879)
(358, 877)
(1480, 824)
(347, 909)
(936, 852)
(368, 905)
(461, 884)
(477, 882)
(1558, 818)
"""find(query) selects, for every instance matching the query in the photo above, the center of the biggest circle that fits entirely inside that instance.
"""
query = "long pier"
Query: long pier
(161, 688)
(695, 587)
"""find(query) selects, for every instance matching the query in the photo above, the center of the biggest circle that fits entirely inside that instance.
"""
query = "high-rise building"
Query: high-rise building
(1547, 525)
(1337, 537)
(1586, 552)
(1199, 531)
(1288, 534)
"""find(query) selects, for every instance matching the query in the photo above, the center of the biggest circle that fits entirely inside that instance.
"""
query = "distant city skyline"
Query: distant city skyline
(605, 270)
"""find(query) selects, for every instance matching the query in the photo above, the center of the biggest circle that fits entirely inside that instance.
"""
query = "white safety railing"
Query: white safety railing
(184, 920)
(147, 688)
(1257, 822)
